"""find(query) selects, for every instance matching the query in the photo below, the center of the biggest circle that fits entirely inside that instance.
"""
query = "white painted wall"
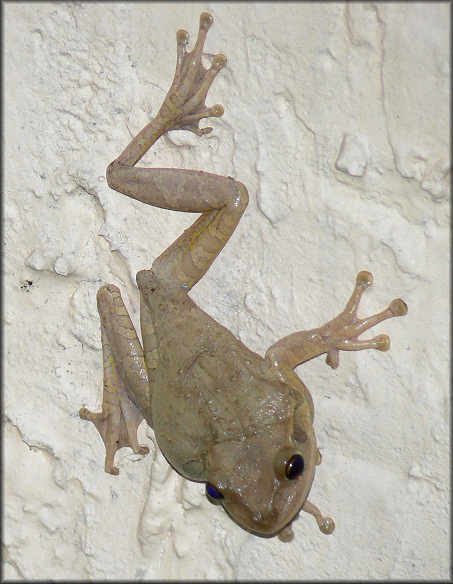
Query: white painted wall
(337, 120)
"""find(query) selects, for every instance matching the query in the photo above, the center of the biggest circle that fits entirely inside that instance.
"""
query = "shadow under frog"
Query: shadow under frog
(222, 414)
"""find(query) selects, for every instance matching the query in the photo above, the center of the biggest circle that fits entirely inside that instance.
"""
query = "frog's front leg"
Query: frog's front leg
(339, 334)
(126, 397)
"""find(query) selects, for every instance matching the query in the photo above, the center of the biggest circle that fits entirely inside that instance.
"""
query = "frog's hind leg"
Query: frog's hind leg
(220, 200)
(125, 380)
(189, 257)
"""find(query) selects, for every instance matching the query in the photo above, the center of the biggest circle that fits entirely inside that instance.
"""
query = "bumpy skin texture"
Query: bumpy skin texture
(221, 413)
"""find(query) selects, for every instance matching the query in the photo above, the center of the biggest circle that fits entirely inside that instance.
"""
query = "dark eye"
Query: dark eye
(213, 494)
(294, 467)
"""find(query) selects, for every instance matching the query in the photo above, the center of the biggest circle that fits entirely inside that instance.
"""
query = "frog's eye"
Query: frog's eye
(294, 467)
(289, 465)
(213, 494)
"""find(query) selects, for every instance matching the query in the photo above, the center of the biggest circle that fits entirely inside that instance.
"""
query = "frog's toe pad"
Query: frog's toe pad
(206, 21)
(182, 37)
(382, 342)
(326, 525)
(398, 307)
(218, 62)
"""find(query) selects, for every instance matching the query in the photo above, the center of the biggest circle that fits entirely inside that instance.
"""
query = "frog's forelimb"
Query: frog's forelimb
(341, 333)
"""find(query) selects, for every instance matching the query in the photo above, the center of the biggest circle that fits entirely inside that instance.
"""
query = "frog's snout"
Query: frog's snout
(264, 524)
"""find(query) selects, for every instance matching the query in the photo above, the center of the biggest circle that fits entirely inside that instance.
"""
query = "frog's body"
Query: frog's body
(221, 413)
(200, 364)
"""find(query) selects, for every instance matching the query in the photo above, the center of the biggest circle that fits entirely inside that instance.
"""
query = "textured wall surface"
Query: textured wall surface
(337, 120)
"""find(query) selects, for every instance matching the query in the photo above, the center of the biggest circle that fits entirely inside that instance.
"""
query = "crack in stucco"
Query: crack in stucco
(383, 30)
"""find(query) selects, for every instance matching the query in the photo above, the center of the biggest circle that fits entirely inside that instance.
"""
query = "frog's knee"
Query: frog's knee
(146, 279)
(117, 177)
(239, 199)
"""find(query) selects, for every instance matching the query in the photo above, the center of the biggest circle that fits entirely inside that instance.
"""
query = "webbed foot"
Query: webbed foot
(117, 424)
(120, 417)
(184, 106)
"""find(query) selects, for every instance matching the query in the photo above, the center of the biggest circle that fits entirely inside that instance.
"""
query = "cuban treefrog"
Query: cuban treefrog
(222, 414)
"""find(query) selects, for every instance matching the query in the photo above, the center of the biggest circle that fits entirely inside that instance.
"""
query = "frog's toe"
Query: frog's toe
(190, 122)
(193, 127)
(206, 21)
(83, 413)
(398, 307)
(382, 342)
(113, 470)
(86, 414)
(326, 525)
(182, 37)
(287, 534)
(216, 110)
(333, 358)
(364, 279)
(218, 62)
(199, 131)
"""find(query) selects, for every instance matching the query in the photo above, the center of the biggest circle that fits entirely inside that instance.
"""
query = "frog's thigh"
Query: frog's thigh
(125, 379)
(219, 199)
(190, 256)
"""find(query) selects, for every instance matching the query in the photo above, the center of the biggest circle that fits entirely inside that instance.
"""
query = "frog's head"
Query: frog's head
(262, 479)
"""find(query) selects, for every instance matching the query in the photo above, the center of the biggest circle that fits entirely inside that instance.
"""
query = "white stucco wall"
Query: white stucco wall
(337, 120)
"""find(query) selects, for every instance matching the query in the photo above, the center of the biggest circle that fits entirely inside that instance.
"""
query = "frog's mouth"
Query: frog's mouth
(267, 524)
(273, 522)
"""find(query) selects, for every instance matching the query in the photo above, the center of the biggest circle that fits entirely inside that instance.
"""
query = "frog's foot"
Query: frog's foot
(184, 105)
(119, 419)
(117, 424)
(341, 333)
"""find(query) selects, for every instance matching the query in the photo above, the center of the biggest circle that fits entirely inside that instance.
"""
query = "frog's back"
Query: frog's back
(208, 386)
(181, 328)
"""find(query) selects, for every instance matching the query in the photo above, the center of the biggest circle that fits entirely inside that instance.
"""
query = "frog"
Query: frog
(222, 415)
